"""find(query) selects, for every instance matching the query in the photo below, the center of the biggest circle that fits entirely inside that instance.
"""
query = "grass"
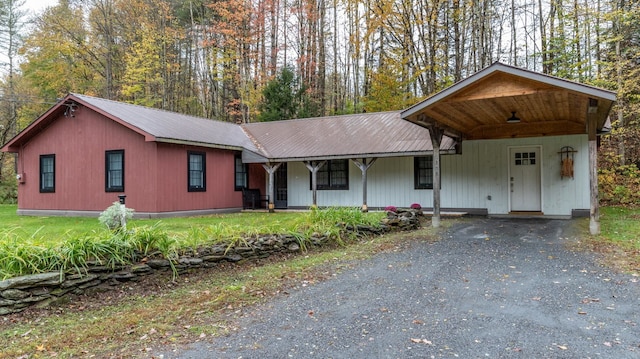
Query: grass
(619, 242)
(29, 245)
(621, 226)
(53, 228)
(47, 227)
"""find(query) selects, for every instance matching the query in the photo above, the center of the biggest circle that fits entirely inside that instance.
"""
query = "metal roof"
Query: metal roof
(382, 134)
(166, 126)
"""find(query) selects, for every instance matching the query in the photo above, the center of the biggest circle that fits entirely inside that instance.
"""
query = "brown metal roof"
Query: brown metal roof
(166, 126)
(382, 134)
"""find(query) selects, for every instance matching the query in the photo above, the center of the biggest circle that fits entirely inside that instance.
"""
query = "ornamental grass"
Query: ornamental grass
(75, 251)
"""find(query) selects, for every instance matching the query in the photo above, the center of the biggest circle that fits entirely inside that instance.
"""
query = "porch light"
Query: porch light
(513, 118)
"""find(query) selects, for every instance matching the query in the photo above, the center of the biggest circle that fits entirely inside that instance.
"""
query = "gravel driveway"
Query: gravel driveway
(491, 288)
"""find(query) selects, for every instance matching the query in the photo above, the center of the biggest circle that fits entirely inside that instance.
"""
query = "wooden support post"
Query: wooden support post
(436, 137)
(271, 170)
(313, 167)
(594, 210)
(364, 166)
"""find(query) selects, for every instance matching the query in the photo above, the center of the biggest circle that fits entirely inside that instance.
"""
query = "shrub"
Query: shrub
(416, 206)
(8, 191)
(112, 216)
(391, 209)
(620, 186)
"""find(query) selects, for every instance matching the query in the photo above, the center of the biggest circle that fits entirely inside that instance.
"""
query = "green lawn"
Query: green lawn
(621, 226)
(49, 230)
(41, 244)
(28, 226)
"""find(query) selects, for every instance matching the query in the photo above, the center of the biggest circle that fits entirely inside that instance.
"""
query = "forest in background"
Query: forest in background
(261, 60)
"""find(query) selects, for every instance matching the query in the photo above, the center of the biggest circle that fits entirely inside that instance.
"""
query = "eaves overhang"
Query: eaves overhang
(197, 144)
(249, 159)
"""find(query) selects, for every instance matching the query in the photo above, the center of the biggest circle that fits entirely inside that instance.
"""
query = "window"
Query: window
(525, 158)
(196, 172)
(333, 175)
(241, 171)
(47, 173)
(423, 172)
(114, 171)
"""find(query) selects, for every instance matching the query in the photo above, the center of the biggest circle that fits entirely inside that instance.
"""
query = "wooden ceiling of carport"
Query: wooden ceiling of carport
(479, 109)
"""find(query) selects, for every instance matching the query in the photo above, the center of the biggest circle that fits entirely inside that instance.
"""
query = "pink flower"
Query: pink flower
(390, 209)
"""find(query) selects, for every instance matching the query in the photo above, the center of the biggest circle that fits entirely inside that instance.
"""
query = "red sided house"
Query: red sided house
(509, 141)
(84, 152)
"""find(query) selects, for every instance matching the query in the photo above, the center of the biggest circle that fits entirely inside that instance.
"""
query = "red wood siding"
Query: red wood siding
(257, 177)
(155, 174)
(173, 194)
(79, 144)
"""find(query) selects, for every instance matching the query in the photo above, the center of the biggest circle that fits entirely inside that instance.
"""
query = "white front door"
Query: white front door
(524, 179)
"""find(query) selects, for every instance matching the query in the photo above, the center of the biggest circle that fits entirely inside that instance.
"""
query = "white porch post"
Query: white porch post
(364, 166)
(271, 170)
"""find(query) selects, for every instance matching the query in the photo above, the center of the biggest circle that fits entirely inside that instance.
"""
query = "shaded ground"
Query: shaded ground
(490, 288)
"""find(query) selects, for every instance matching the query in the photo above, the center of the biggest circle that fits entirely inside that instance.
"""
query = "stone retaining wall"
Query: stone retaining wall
(46, 289)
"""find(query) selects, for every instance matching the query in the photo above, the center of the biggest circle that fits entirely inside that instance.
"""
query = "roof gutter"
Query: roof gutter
(349, 156)
(199, 144)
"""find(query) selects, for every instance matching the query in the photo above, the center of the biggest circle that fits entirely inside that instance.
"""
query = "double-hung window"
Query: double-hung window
(114, 171)
(423, 172)
(334, 175)
(241, 174)
(196, 172)
(47, 173)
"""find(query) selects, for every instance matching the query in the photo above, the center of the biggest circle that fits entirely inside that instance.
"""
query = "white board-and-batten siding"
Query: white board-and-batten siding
(476, 179)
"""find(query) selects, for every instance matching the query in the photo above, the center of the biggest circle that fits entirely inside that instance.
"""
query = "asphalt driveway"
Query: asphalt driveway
(491, 288)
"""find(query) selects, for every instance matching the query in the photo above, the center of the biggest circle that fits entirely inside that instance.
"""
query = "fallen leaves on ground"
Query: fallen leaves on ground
(421, 341)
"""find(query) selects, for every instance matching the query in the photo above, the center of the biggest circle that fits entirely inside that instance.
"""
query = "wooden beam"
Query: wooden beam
(313, 167)
(519, 130)
(436, 137)
(364, 166)
(425, 121)
(592, 126)
(271, 169)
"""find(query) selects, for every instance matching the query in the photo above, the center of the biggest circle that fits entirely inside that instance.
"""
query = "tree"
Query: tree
(11, 25)
(281, 97)
(59, 56)
(387, 92)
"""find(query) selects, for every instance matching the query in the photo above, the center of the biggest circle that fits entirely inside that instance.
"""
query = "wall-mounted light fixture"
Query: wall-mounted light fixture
(513, 118)
(71, 108)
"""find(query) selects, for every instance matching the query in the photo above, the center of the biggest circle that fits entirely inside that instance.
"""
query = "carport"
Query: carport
(505, 102)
